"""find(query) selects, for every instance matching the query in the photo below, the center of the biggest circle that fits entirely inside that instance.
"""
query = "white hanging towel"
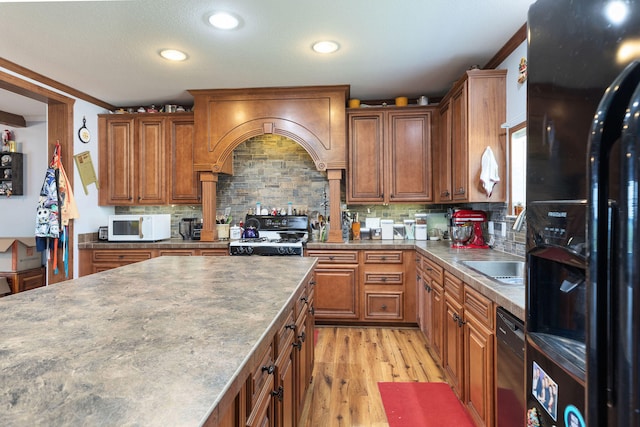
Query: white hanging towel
(489, 175)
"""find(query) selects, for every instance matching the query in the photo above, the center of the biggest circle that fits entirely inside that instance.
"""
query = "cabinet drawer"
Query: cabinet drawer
(213, 252)
(383, 305)
(383, 278)
(285, 335)
(262, 376)
(383, 257)
(479, 305)
(433, 270)
(32, 280)
(301, 301)
(175, 252)
(453, 286)
(336, 257)
(126, 256)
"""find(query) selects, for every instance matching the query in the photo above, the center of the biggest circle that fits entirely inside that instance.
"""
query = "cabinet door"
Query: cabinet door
(284, 392)
(366, 158)
(421, 293)
(459, 149)
(184, 186)
(437, 320)
(117, 162)
(445, 180)
(300, 349)
(336, 292)
(409, 154)
(479, 372)
(453, 361)
(151, 162)
(425, 306)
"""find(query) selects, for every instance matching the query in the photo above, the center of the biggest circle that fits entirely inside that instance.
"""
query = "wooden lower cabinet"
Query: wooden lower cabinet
(479, 372)
(336, 289)
(97, 260)
(365, 286)
(276, 386)
(430, 303)
(468, 351)
(453, 344)
(25, 280)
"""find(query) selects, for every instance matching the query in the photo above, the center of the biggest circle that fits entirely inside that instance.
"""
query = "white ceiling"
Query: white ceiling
(109, 49)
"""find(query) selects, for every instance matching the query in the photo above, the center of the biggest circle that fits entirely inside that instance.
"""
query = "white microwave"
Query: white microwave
(139, 228)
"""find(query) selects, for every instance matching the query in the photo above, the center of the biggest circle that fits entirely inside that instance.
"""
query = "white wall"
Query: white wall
(92, 216)
(18, 212)
(516, 92)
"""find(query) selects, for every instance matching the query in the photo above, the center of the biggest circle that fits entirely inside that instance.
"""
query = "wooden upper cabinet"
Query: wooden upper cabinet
(471, 115)
(366, 157)
(184, 186)
(459, 145)
(147, 159)
(116, 160)
(410, 161)
(444, 190)
(390, 155)
(150, 162)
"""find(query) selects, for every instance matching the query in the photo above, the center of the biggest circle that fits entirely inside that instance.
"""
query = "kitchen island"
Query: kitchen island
(168, 341)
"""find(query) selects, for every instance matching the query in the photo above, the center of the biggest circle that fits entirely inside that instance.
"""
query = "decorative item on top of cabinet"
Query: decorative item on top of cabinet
(390, 155)
(147, 159)
(471, 115)
(11, 174)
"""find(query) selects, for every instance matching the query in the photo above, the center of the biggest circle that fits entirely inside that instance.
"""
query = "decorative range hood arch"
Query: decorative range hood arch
(313, 116)
(267, 126)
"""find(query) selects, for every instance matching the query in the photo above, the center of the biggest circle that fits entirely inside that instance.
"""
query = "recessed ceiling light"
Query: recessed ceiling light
(224, 21)
(325, 46)
(173, 55)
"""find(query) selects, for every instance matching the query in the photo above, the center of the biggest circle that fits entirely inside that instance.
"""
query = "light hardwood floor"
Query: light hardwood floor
(349, 362)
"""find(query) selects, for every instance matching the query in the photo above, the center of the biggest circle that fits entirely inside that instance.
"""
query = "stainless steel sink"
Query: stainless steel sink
(507, 272)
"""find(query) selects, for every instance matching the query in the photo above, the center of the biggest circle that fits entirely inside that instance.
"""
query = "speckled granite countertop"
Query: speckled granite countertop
(511, 297)
(153, 343)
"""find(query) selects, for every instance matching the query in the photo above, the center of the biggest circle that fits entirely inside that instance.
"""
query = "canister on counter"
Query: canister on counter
(409, 229)
(376, 233)
(398, 231)
(387, 229)
(421, 231)
(365, 233)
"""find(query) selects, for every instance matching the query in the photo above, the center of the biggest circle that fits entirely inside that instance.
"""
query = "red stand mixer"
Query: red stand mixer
(466, 229)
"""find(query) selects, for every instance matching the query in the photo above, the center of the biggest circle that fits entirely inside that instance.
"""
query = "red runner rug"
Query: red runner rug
(413, 404)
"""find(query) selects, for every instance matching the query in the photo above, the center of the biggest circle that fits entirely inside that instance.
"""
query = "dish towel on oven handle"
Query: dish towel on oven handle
(489, 175)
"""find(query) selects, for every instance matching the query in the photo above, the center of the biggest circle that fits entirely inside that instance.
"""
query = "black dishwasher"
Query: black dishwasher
(510, 374)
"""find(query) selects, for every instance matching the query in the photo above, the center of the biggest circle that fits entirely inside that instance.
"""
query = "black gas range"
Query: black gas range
(272, 235)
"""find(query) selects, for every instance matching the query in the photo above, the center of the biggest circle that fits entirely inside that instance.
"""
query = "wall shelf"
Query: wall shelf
(11, 174)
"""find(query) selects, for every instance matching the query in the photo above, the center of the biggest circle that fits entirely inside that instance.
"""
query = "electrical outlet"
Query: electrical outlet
(503, 229)
(490, 227)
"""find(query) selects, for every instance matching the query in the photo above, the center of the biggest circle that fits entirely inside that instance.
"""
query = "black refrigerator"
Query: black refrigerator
(582, 321)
